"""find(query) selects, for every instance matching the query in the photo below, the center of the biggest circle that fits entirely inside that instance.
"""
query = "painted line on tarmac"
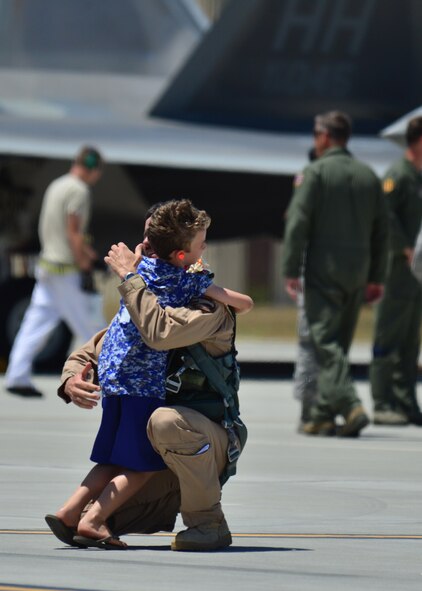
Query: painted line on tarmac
(249, 535)
(336, 536)
(29, 588)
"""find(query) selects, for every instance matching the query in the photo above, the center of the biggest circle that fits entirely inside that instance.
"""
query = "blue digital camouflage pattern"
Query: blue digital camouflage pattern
(126, 365)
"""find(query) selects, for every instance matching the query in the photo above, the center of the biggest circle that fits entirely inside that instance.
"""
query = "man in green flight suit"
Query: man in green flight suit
(394, 367)
(338, 221)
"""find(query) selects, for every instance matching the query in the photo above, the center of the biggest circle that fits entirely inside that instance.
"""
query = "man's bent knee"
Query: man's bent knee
(162, 424)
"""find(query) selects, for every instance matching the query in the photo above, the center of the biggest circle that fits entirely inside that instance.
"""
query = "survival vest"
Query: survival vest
(210, 386)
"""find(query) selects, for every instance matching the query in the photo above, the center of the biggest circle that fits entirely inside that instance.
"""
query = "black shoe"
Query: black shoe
(27, 391)
(415, 418)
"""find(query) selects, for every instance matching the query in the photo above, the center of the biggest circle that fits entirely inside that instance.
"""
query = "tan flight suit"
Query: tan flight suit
(177, 433)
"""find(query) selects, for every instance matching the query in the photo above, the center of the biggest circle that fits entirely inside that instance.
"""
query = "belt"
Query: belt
(57, 268)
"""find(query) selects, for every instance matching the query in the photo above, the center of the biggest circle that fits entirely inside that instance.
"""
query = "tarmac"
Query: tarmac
(306, 513)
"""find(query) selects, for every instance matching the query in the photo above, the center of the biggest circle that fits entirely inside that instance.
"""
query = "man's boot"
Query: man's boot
(355, 421)
(412, 412)
(306, 413)
(389, 417)
(203, 538)
(322, 428)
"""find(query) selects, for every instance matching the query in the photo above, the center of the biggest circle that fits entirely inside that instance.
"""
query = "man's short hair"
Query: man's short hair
(338, 125)
(413, 130)
(151, 210)
(173, 226)
(89, 158)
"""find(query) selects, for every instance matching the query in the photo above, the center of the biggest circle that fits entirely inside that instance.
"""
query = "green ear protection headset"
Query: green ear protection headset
(91, 161)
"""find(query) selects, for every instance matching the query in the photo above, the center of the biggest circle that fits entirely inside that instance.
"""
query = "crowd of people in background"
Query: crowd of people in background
(351, 238)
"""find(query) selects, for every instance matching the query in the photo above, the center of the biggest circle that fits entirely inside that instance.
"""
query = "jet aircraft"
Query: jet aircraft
(221, 114)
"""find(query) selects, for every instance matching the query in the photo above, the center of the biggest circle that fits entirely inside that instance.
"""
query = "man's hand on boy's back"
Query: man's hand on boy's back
(122, 260)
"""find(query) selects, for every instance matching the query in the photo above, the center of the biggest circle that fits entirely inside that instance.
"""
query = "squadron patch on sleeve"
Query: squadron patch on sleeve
(388, 185)
(298, 180)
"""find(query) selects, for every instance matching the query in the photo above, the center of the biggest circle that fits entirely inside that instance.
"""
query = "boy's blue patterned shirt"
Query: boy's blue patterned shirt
(126, 365)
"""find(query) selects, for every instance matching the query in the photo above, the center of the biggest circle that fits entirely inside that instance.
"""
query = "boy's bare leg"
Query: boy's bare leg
(89, 489)
(118, 491)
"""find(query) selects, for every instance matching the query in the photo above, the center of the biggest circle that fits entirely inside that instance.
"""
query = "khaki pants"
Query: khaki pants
(192, 483)
(154, 508)
(195, 450)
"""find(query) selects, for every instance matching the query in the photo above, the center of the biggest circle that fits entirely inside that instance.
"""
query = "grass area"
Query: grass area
(279, 322)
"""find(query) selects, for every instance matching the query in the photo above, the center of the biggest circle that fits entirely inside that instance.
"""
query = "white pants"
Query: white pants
(54, 298)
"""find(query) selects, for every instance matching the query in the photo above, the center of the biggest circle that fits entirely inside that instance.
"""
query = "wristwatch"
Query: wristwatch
(128, 276)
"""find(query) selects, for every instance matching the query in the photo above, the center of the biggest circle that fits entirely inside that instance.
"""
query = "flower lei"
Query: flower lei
(199, 267)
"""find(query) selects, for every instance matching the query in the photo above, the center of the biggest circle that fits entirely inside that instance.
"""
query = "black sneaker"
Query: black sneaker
(26, 391)
(415, 418)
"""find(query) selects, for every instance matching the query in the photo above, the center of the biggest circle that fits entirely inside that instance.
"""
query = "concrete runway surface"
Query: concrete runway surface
(306, 513)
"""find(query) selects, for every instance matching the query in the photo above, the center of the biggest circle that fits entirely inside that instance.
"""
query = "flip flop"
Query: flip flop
(63, 532)
(103, 543)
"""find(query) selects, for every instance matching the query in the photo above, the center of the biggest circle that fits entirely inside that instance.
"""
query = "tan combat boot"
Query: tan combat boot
(355, 421)
(323, 429)
(389, 417)
(204, 537)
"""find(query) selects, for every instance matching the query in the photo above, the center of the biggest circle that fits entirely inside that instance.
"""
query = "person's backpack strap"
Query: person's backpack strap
(214, 372)
(236, 429)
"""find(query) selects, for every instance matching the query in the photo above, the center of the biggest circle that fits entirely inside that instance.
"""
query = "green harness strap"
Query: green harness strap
(236, 430)
(214, 372)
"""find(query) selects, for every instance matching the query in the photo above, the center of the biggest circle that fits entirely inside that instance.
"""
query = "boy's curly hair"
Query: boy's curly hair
(173, 226)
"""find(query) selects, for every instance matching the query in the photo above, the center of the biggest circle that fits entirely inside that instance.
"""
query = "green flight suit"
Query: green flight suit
(394, 367)
(339, 219)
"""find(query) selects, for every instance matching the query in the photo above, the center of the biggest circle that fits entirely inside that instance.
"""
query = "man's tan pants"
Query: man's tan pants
(192, 483)
(195, 450)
